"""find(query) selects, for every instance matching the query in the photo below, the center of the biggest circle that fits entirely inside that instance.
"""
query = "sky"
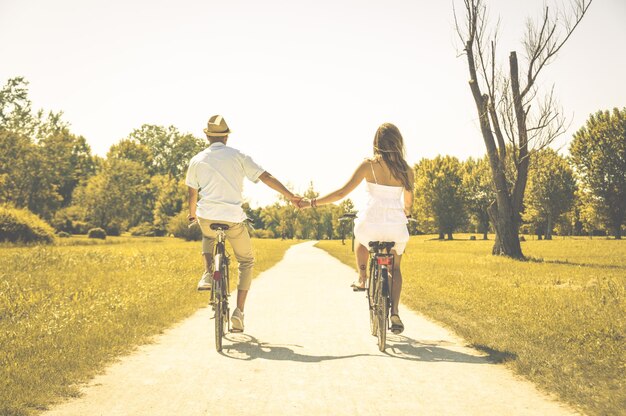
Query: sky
(303, 85)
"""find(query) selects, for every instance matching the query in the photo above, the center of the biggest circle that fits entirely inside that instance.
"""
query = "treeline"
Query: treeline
(583, 193)
(138, 187)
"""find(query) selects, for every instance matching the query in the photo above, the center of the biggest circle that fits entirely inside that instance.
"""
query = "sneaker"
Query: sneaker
(237, 320)
(205, 282)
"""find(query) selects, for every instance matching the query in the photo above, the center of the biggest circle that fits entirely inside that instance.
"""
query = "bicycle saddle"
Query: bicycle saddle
(382, 245)
(215, 226)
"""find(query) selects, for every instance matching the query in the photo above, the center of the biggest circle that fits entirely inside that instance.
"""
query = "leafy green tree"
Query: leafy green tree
(131, 150)
(598, 152)
(439, 194)
(15, 107)
(550, 191)
(170, 150)
(479, 192)
(69, 162)
(589, 208)
(41, 162)
(169, 196)
(16, 173)
(117, 198)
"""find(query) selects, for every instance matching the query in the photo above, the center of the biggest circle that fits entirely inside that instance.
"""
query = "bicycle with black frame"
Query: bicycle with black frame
(379, 285)
(220, 287)
(221, 281)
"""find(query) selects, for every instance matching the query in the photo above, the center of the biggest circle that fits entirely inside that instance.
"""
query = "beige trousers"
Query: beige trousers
(239, 239)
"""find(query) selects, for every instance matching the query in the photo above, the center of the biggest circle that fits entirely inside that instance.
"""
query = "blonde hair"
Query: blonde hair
(389, 146)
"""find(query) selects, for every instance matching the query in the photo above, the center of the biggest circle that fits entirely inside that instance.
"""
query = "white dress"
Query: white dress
(383, 218)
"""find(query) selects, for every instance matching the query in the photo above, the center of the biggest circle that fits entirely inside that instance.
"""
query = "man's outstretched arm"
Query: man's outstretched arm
(276, 185)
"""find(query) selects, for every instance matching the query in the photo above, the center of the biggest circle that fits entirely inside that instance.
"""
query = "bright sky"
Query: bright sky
(302, 84)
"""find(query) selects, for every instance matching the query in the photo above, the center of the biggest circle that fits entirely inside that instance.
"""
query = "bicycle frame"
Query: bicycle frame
(221, 289)
(379, 289)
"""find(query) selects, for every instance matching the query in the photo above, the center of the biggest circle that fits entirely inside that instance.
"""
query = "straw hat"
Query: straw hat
(217, 127)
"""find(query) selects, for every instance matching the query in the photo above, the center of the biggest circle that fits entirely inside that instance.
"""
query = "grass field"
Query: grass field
(558, 319)
(68, 310)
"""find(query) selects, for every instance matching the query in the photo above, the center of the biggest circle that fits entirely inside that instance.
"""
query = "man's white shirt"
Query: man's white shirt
(218, 173)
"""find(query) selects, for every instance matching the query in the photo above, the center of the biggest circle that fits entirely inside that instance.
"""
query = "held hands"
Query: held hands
(300, 202)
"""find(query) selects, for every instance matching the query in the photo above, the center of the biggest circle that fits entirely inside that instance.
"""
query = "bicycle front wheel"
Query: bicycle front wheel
(219, 315)
(382, 308)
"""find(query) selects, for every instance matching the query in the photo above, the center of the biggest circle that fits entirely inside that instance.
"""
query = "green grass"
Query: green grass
(558, 319)
(68, 310)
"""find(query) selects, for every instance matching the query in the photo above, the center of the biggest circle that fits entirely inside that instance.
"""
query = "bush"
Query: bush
(262, 234)
(70, 220)
(178, 226)
(113, 229)
(146, 229)
(63, 234)
(22, 226)
(97, 233)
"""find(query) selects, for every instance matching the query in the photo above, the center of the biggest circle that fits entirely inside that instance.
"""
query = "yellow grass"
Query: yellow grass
(558, 319)
(67, 310)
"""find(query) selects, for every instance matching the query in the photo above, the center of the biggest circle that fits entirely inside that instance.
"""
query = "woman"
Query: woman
(390, 197)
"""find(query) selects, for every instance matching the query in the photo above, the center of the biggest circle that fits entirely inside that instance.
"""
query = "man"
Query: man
(215, 181)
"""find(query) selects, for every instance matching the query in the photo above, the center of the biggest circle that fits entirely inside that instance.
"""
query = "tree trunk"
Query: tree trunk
(485, 236)
(549, 228)
(507, 234)
(501, 212)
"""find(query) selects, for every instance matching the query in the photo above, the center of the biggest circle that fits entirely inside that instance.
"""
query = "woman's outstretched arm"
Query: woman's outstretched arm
(355, 180)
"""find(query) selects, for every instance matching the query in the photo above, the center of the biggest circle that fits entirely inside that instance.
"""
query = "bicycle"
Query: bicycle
(379, 284)
(379, 288)
(220, 290)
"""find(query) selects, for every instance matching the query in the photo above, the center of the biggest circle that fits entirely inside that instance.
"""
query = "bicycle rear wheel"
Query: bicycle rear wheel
(382, 308)
(371, 299)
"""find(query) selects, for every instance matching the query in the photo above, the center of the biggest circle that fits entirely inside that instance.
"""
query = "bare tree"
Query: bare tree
(514, 120)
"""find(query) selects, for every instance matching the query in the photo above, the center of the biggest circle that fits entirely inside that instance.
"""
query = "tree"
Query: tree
(16, 151)
(509, 108)
(598, 152)
(117, 198)
(68, 162)
(550, 193)
(167, 195)
(15, 107)
(439, 194)
(170, 150)
(41, 162)
(479, 192)
(131, 150)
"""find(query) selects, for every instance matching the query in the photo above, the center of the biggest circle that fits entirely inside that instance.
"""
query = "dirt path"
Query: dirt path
(307, 351)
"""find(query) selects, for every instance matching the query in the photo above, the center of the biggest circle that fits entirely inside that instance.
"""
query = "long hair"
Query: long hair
(389, 146)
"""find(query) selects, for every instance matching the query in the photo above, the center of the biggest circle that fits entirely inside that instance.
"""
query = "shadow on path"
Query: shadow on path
(403, 347)
(247, 347)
